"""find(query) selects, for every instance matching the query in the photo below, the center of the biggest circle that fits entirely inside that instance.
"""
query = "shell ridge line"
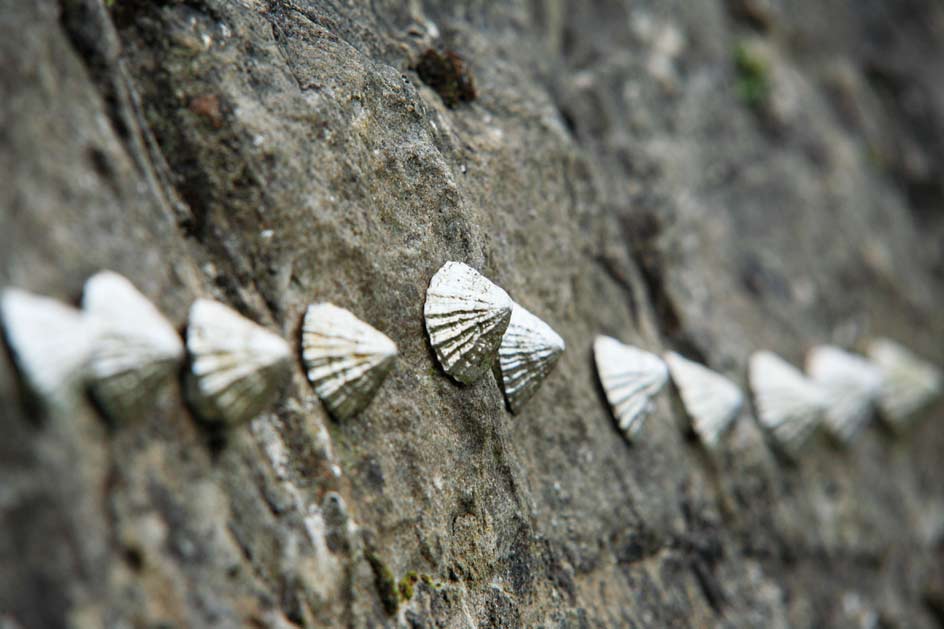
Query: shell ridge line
(465, 316)
(347, 372)
(237, 367)
(528, 352)
(711, 400)
(909, 382)
(630, 378)
(852, 385)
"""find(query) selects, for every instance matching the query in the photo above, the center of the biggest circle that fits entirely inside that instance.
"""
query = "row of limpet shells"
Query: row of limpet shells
(124, 349)
(840, 390)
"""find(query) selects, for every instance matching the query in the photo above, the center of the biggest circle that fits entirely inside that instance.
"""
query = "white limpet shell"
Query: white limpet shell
(51, 342)
(711, 400)
(630, 378)
(466, 316)
(529, 350)
(852, 385)
(345, 359)
(789, 405)
(138, 350)
(909, 381)
(237, 367)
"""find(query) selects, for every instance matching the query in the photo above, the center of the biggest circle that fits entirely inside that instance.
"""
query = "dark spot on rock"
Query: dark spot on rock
(759, 280)
(207, 106)
(385, 583)
(561, 576)
(570, 122)
(520, 570)
(336, 521)
(642, 230)
(99, 162)
(708, 583)
(134, 559)
(447, 73)
(753, 77)
(756, 14)
(640, 543)
(405, 587)
(370, 470)
(500, 611)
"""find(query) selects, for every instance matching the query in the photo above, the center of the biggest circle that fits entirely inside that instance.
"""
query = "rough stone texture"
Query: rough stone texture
(712, 177)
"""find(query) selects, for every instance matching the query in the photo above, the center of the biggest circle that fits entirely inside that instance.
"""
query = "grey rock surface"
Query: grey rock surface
(710, 177)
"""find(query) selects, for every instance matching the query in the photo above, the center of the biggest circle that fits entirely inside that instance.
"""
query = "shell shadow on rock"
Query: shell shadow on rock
(138, 350)
(529, 350)
(711, 400)
(909, 382)
(789, 405)
(345, 359)
(51, 344)
(466, 316)
(851, 384)
(237, 367)
(630, 378)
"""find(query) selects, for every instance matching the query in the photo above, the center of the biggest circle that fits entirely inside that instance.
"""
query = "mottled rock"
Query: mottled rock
(610, 173)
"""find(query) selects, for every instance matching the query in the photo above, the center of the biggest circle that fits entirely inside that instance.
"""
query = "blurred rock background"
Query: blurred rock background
(713, 177)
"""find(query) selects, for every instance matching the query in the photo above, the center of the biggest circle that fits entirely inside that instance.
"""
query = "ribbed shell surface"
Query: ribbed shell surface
(345, 359)
(529, 350)
(710, 399)
(852, 385)
(466, 316)
(909, 382)
(630, 378)
(237, 367)
(789, 405)
(138, 350)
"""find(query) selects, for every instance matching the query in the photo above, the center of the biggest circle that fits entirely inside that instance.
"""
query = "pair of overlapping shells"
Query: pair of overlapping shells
(631, 379)
(840, 390)
(124, 350)
(118, 344)
(471, 322)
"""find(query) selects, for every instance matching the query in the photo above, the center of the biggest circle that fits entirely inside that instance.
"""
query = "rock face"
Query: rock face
(708, 177)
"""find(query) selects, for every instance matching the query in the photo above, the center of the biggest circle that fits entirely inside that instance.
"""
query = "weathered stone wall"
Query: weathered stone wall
(714, 177)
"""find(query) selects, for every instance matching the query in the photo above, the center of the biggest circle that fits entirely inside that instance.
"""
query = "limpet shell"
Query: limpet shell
(529, 350)
(789, 405)
(51, 342)
(346, 360)
(630, 378)
(138, 350)
(466, 316)
(852, 385)
(711, 400)
(909, 382)
(237, 367)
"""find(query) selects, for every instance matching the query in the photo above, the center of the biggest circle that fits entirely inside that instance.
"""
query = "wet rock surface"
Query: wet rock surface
(709, 177)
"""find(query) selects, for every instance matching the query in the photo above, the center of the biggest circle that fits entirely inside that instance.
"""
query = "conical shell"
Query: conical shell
(345, 359)
(789, 405)
(466, 316)
(138, 350)
(50, 341)
(711, 400)
(630, 378)
(237, 367)
(909, 383)
(529, 350)
(852, 385)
